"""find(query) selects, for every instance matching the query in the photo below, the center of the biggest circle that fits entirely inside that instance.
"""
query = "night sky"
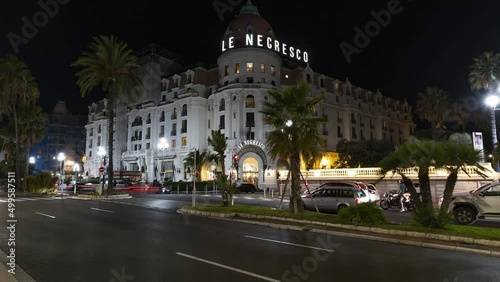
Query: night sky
(424, 42)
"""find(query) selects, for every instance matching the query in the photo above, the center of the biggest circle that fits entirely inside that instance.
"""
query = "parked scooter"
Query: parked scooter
(392, 199)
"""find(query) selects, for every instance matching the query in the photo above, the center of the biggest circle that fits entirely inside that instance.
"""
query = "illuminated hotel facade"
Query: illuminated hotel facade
(181, 108)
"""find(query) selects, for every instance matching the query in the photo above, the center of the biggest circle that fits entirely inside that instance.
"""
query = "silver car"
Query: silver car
(482, 203)
(329, 198)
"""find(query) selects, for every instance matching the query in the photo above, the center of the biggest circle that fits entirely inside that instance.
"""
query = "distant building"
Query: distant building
(65, 134)
(185, 106)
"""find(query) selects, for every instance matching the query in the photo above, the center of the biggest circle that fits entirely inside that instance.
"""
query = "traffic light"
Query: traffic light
(236, 157)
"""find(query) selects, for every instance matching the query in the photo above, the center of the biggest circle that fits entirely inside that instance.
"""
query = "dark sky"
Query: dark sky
(425, 43)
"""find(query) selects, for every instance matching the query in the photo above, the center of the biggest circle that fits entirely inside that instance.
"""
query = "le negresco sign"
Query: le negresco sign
(269, 43)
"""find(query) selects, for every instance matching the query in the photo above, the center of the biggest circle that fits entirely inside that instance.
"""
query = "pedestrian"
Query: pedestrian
(402, 190)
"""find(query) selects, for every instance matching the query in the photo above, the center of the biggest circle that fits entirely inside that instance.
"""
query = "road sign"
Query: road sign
(101, 169)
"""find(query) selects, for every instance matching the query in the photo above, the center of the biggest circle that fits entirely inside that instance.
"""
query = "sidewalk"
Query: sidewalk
(5, 276)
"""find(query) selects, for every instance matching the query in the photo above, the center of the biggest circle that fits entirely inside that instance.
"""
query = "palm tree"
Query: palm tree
(484, 72)
(454, 157)
(432, 105)
(218, 141)
(296, 131)
(17, 87)
(197, 160)
(414, 154)
(32, 124)
(112, 65)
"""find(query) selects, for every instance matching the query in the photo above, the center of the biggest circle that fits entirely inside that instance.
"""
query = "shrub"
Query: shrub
(40, 183)
(430, 217)
(362, 214)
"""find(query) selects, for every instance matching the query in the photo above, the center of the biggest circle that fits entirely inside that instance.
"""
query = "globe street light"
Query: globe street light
(61, 157)
(162, 146)
(492, 101)
(76, 169)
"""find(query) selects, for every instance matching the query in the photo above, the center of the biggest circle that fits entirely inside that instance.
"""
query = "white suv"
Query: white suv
(482, 203)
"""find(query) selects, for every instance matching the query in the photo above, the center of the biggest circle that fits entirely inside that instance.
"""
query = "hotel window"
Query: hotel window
(162, 131)
(308, 78)
(148, 145)
(250, 101)
(184, 110)
(174, 143)
(339, 132)
(184, 141)
(184, 126)
(262, 80)
(263, 68)
(226, 70)
(250, 67)
(249, 79)
(237, 68)
(250, 120)
(208, 124)
(174, 129)
(273, 70)
(222, 106)
(222, 123)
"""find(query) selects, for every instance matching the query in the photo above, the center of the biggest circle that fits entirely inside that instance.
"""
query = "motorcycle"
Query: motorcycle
(392, 199)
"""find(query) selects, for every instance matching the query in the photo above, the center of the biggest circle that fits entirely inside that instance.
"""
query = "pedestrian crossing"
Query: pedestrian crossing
(27, 199)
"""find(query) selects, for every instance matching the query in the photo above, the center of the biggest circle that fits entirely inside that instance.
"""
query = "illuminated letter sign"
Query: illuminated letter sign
(271, 44)
(251, 142)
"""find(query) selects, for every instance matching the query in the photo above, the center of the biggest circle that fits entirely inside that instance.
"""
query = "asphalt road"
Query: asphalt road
(81, 240)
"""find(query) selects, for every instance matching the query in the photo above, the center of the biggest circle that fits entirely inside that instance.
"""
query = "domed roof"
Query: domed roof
(60, 108)
(248, 21)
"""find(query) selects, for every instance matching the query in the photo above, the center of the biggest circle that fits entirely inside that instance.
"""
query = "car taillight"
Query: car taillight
(357, 201)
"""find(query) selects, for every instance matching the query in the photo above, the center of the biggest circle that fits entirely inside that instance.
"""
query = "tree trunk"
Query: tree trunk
(27, 159)
(295, 201)
(451, 180)
(411, 189)
(111, 113)
(425, 187)
(19, 184)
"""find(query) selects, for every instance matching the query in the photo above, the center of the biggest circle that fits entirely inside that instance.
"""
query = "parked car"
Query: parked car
(166, 188)
(370, 189)
(246, 187)
(482, 203)
(333, 197)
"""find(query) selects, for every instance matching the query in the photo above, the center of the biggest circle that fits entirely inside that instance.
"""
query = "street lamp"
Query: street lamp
(492, 101)
(194, 178)
(76, 169)
(101, 152)
(61, 157)
(162, 146)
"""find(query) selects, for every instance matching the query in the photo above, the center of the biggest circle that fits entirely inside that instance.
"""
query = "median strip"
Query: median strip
(47, 215)
(291, 244)
(229, 267)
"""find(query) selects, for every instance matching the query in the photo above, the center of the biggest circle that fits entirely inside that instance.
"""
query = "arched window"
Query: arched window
(184, 110)
(222, 106)
(250, 101)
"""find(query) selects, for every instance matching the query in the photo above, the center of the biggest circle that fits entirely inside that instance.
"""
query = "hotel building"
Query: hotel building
(182, 106)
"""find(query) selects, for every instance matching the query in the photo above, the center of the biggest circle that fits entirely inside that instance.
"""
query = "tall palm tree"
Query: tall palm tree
(432, 105)
(200, 159)
(218, 141)
(296, 131)
(17, 87)
(32, 126)
(484, 72)
(112, 65)
(456, 155)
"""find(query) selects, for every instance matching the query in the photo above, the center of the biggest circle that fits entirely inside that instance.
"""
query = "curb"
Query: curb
(411, 234)
(110, 197)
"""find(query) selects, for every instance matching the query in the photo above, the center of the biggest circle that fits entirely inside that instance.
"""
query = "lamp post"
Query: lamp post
(101, 152)
(162, 146)
(194, 178)
(61, 157)
(76, 169)
(492, 101)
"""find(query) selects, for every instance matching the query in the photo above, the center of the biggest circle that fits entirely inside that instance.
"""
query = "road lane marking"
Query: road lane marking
(292, 244)
(102, 210)
(28, 199)
(51, 216)
(229, 267)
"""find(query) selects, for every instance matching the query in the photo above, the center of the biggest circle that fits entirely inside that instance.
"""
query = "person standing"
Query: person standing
(402, 190)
